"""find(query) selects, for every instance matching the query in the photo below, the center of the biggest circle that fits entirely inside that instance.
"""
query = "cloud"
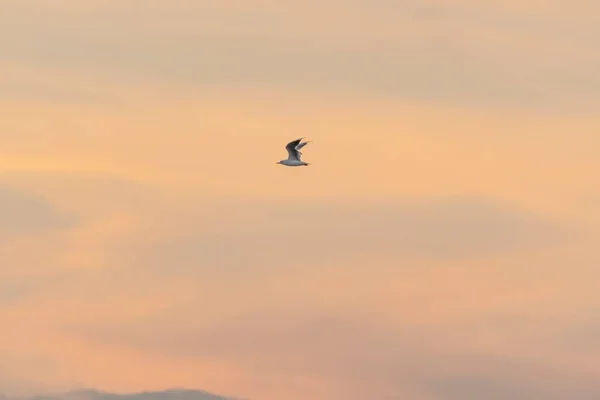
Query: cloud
(97, 195)
(25, 213)
(127, 312)
(146, 395)
(163, 283)
(46, 93)
(358, 355)
(526, 381)
(30, 221)
(12, 291)
(468, 54)
(245, 238)
(250, 304)
(12, 378)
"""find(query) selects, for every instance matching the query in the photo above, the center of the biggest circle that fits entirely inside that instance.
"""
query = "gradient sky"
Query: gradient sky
(442, 246)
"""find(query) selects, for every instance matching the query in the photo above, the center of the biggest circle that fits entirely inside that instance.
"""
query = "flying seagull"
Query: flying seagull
(294, 154)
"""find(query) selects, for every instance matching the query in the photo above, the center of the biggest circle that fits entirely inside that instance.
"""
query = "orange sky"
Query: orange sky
(441, 246)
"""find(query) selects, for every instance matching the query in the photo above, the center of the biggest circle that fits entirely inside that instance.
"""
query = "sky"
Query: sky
(441, 246)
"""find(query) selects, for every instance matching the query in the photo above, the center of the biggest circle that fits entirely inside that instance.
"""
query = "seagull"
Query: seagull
(294, 154)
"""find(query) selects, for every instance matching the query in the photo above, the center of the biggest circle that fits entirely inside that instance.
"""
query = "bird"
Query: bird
(294, 154)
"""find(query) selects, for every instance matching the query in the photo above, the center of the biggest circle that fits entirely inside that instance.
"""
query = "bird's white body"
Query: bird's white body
(294, 154)
(293, 163)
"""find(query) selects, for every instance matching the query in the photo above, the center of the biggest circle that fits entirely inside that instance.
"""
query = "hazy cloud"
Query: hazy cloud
(14, 91)
(13, 291)
(358, 355)
(464, 54)
(137, 251)
(22, 212)
(145, 395)
(241, 238)
(500, 385)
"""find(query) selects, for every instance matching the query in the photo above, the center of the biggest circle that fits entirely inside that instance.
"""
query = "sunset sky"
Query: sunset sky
(443, 245)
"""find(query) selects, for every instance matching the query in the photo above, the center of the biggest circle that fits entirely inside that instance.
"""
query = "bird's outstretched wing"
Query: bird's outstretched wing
(292, 149)
(301, 145)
